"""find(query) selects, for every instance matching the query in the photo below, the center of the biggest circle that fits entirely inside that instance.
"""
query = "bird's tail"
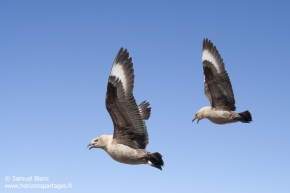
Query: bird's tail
(155, 160)
(245, 117)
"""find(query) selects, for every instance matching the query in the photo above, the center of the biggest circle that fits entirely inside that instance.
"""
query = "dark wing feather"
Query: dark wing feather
(206, 91)
(129, 128)
(145, 110)
(217, 85)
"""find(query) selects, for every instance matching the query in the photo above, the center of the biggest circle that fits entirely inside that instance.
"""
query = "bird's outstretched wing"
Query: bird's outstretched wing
(217, 84)
(129, 127)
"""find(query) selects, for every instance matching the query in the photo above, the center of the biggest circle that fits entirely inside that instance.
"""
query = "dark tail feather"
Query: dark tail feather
(155, 160)
(246, 117)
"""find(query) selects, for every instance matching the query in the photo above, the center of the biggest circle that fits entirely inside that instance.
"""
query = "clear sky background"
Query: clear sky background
(55, 59)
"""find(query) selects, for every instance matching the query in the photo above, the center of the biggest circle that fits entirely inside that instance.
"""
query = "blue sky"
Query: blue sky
(55, 59)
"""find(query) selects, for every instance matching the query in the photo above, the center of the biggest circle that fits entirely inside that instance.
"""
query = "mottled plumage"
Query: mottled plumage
(130, 138)
(218, 90)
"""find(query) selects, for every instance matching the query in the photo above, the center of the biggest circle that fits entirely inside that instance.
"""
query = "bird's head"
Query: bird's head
(197, 116)
(99, 142)
(201, 114)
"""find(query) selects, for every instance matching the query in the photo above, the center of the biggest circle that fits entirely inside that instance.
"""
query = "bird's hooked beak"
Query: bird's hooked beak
(195, 118)
(91, 145)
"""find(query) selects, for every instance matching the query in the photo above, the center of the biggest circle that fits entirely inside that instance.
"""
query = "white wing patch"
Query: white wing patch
(118, 72)
(206, 55)
(140, 110)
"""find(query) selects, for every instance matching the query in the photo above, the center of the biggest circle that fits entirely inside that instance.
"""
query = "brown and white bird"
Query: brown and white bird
(218, 90)
(130, 138)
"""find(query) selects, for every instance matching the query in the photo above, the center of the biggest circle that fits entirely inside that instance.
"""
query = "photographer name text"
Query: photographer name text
(29, 179)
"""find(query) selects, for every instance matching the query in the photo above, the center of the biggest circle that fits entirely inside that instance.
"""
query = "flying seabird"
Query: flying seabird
(130, 138)
(218, 90)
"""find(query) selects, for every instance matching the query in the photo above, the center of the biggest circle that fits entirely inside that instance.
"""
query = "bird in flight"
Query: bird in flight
(127, 144)
(218, 90)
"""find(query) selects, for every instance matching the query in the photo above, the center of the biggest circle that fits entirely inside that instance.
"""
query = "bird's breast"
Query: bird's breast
(222, 117)
(126, 154)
